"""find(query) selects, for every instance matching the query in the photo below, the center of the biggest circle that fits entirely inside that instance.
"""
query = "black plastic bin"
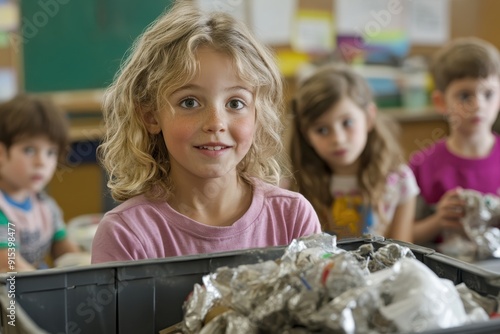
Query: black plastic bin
(146, 296)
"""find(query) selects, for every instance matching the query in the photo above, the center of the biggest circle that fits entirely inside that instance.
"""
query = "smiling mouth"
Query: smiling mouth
(212, 148)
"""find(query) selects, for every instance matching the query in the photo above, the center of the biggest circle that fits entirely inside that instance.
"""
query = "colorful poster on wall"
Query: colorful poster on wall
(380, 25)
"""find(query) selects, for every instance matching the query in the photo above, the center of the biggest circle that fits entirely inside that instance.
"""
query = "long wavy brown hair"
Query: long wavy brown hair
(317, 94)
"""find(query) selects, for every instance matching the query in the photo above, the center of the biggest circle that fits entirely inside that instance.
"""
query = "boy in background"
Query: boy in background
(466, 73)
(33, 138)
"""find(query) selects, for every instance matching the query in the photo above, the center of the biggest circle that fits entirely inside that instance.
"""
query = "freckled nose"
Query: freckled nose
(214, 120)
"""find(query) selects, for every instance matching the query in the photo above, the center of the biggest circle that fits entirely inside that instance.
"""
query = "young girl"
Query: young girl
(33, 137)
(193, 145)
(346, 158)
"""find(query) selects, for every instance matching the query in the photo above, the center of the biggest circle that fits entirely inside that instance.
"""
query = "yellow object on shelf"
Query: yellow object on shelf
(289, 61)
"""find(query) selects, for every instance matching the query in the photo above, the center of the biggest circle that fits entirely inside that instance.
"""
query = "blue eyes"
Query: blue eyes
(347, 123)
(29, 150)
(322, 131)
(325, 130)
(466, 96)
(190, 103)
(236, 104)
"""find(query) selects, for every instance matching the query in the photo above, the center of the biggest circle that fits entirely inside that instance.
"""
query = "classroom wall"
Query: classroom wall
(470, 18)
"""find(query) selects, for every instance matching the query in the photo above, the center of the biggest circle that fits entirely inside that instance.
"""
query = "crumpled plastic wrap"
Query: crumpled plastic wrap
(419, 300)
(476, 306)
(316, 286)
(482, 237)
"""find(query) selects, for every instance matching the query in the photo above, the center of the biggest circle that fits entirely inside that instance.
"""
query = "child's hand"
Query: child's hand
(450, 209)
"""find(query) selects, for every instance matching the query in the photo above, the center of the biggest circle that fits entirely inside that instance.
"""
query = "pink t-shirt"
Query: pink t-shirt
(438, 170)
(141, 229)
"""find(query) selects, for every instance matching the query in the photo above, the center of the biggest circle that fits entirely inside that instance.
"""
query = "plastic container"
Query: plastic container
(147, 296)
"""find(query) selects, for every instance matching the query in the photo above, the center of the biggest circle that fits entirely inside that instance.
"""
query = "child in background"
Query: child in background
(466, 73)
(193, 145)
(33, 137)
(347, 160)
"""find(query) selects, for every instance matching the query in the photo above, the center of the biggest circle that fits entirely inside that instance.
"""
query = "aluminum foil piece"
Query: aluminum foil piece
(383, 258)
(324, 241)
(479, 209)
(245, 287)
(303, 308)
(273, 315)
(359, 309)
(337, 274)
(388, 255)
(230, 323)
(480, 212)
(195, 309)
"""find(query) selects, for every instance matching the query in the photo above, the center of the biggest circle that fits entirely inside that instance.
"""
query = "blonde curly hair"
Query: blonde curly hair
(162, 60)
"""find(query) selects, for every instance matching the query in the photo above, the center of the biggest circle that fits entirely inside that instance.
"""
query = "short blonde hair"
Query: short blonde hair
(466, 57)
(162, 60)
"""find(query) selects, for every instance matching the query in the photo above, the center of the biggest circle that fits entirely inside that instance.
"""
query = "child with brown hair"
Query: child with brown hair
(33, 138)
(347, 160)
(466, 73)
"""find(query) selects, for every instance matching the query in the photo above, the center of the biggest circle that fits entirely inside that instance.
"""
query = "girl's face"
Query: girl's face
(339, 136)
(27, 166)
(213, 121)
(471, 104)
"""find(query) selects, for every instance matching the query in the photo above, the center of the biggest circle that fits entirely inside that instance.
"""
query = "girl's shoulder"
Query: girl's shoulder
(270, 190)
(401, 173)
(136, 203)
(271, 195)
(402, 181)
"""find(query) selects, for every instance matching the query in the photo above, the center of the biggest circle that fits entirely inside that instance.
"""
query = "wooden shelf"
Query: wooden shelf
(405, 115)
(86, 132)
(87, 101)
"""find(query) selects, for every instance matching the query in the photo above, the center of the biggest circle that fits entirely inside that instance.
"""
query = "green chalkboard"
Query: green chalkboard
(79, 44)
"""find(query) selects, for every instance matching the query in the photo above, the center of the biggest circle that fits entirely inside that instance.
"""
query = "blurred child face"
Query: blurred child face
(27, 166)
(339, 136)
(472, 104)
(213, 122)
